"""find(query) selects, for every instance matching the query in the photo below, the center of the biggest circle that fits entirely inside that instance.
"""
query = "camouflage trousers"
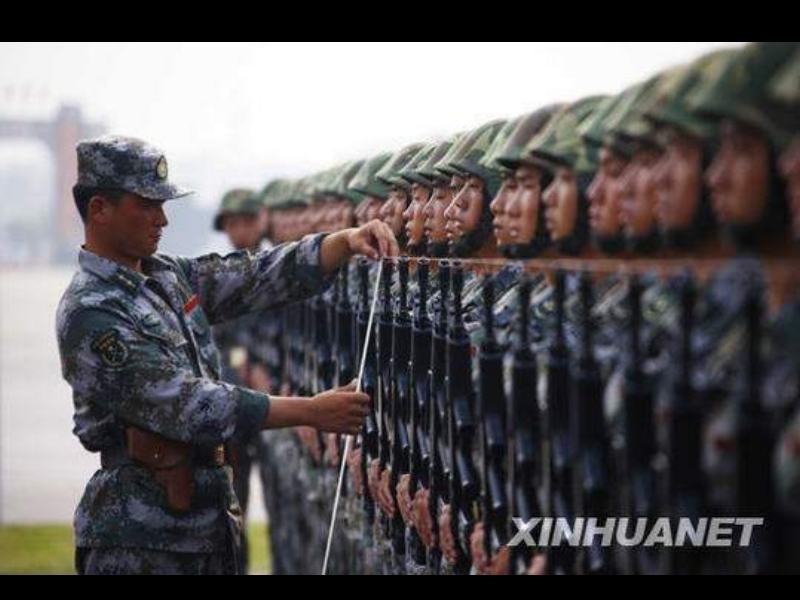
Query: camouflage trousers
(119, 561)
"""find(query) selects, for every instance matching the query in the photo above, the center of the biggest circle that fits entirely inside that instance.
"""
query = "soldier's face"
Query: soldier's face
(561, 205)
(639, 195)
(392, 212)
(739, 178)
(464, 213)
(342, 216)
(414, 217)
(790, 169)
(523, 209)
(604, 195)
(435, 222)
(499, 208)
(679, 176)
(368, 210)
(243, 231)
(134, 225)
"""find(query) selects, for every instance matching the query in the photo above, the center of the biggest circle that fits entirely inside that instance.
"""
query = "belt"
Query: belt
(202, 458)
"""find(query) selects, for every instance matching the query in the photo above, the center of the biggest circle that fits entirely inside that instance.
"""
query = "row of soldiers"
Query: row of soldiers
(598, 315)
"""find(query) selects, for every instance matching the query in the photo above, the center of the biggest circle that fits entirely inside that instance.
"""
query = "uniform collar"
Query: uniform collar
(114, 273)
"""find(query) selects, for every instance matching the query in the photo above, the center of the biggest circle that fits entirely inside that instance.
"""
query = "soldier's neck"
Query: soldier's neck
(103, 250)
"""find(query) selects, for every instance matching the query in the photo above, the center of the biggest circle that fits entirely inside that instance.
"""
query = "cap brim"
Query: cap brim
(164, 192)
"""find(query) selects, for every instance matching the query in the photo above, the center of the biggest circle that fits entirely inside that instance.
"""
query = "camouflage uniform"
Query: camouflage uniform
(137, 350)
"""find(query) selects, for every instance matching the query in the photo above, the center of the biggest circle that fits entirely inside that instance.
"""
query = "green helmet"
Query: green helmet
(341, 182)
(470, 159)
(561, 144)
(235, 203)
(411, 174)
(365, 181)
(737, 89)
(593, 130)
(668, 106)
(270, 195)
(626, 126)
(500, 140)
(785, 86)
(513, 152)
(470, 149)
(444, 168)
(428, 169)
(390, 174)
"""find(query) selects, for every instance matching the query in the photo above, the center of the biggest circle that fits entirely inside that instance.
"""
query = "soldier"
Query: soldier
(562, 150)
(748, 198)
(399, 190)
(136, 347)
(242, 218)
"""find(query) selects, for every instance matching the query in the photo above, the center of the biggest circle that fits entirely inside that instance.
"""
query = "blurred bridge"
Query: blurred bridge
(60, 136)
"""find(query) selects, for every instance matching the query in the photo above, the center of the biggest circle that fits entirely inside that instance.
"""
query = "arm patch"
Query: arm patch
(111, 349)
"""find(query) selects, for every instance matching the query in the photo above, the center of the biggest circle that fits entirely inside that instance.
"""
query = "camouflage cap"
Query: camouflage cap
(500, 140)
(411, 174)
(737, 88)
(783, 97)
(389, 175)
(513, 153)
(127, 164)
(593, 130)
(237, 203)
(785, 86)
(428, 169)
(342, 182)
(286, 197)
(470, 149)
(561, 144)
(469, 159)
(668, 105)
(271, 193)
(365, 181)
(626, 126)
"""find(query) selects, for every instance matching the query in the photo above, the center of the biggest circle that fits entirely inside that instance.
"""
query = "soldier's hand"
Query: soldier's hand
(480, 560)
(498, 565)
(404, 502)
(422, 518)
(354, 461)
(385, 494)
(332, 448)
(447, 543)
(340, 411)
(374, 240)
(374, 479)
(538, 566)
(310, 440)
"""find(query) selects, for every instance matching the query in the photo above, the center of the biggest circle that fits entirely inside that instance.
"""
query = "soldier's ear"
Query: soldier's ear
(99, 210)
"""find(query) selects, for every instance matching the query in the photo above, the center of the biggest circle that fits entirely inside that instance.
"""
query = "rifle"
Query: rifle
(369, 385)
(399, 399)
(755, 445)
(560, 425)
(461, 424)
(639, 431)
(345, 353)
(526, 425)
(440, 469)
(494, 432)
(592, 450)
(686, 489)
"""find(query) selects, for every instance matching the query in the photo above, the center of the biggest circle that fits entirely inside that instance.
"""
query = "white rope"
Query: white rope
(349, 441)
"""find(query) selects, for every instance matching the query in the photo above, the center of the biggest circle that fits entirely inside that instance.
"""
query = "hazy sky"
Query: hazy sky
(231, 113)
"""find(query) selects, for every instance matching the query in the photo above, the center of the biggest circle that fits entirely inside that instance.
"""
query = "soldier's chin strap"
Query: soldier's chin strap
(349, 440)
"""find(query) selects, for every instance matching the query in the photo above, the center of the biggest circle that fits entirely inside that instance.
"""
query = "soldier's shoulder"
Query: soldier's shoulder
(85, 294)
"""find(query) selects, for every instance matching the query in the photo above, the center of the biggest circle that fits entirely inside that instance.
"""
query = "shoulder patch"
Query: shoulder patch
(113, 352)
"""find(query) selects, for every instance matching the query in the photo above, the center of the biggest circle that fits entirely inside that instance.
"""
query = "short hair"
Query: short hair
(83, 195)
